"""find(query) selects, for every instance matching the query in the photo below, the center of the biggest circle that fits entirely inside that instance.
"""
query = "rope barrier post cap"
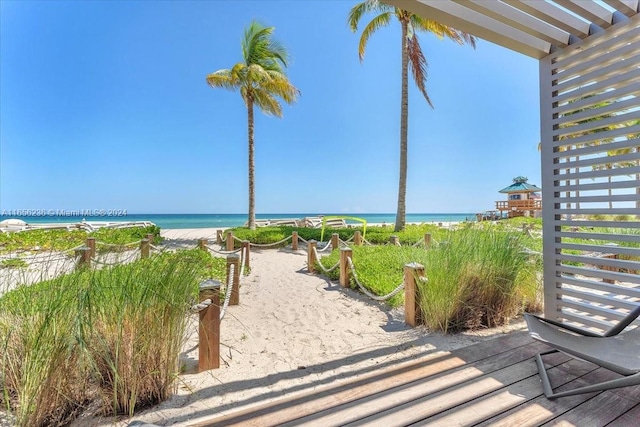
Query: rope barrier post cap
(210, 284)
(414, 265)
(233, 256)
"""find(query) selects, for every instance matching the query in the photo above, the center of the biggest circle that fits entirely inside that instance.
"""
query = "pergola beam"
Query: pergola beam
(589, 10)
(627, 7)
(471, 21)
(553, 15)
(501, 11)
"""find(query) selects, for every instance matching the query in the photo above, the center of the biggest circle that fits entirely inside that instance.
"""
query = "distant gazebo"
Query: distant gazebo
(523, 199)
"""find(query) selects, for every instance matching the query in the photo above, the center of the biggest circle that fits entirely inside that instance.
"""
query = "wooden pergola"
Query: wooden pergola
(589, 61)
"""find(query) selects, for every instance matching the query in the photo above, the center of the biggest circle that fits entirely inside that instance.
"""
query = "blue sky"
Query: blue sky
(104, 105)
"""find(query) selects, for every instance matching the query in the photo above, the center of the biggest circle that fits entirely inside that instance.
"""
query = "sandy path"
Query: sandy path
(293, 331)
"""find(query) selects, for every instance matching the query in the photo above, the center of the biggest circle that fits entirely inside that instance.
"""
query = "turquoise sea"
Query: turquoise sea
(235, 220)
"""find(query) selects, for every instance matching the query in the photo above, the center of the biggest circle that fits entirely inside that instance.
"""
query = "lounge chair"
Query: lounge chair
(615, 350)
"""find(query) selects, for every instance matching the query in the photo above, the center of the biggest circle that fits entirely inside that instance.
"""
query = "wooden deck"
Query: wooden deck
(494, 383)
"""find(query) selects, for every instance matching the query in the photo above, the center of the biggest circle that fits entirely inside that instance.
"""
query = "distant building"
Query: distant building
(523, 199)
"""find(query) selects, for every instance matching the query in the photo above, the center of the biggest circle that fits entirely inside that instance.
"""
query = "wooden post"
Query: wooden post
(202, 244)
(412, 312)
(311, 255)
(357, 238)
(151, 237)
(209, 330)
(335, 241)
(246, 250)
(230, 244)
(345, 271)
(219, 237)
(91, 244)
(394, 240)
(85, 256)
(234, 259)
(294, 240)
(144, 248)
(427, 240)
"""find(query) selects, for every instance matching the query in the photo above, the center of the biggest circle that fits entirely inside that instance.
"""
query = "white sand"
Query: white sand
(293, 331)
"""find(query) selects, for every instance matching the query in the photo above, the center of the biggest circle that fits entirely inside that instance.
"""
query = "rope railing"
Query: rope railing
(243, 262)
(157, 248)
(73, 249)
(303, 240)
(222, 252)
(115, 245)
(268, 245)
(130, 258)
(366, 242)
(528, 251)
(325, 247)
(364, 290)
(418, 243)
(227, 295)
(322, 267)
(201, 306)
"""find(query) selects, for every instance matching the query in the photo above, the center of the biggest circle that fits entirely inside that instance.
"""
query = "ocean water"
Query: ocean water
(166, 221)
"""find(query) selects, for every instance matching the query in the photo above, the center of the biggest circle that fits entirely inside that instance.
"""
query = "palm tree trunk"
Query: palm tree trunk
(404, 119)
(252, 188)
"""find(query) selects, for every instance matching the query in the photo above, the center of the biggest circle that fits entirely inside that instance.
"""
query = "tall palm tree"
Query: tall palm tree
(412, 57)
(261, 80)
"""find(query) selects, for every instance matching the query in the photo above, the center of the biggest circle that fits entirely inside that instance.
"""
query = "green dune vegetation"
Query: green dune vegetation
(61, 240)
(477, 276)
(110, 336)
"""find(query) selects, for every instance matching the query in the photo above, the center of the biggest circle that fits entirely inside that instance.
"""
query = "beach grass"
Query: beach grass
(477, 276)
(111, 335)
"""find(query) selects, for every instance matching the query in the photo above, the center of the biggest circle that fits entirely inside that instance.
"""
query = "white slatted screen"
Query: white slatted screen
(590, 127)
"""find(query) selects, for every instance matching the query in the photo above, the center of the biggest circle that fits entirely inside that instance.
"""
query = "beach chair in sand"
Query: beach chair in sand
(617, 350)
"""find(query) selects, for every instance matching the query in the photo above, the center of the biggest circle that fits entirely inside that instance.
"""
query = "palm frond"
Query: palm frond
(376, 23)
(222, 79)
(359, 10)
(260, 77)
(280, 86)
(267, 103)
(418, 65)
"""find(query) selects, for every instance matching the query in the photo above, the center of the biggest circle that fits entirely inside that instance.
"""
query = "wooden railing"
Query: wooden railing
(519, 205)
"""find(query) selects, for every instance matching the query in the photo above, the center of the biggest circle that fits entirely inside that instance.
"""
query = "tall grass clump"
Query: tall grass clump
(135, 325)
(112, 335)
(478, 278)
(42, 372)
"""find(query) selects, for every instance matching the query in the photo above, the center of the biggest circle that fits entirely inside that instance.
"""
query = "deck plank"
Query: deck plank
(512, 396)
(432, 404)
(603, 408)
(541, 410)
(299, 405)
(628, 419)
(494, 383)
(416, 389)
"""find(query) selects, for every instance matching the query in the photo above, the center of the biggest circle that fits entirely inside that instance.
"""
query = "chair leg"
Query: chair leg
(630, 380)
